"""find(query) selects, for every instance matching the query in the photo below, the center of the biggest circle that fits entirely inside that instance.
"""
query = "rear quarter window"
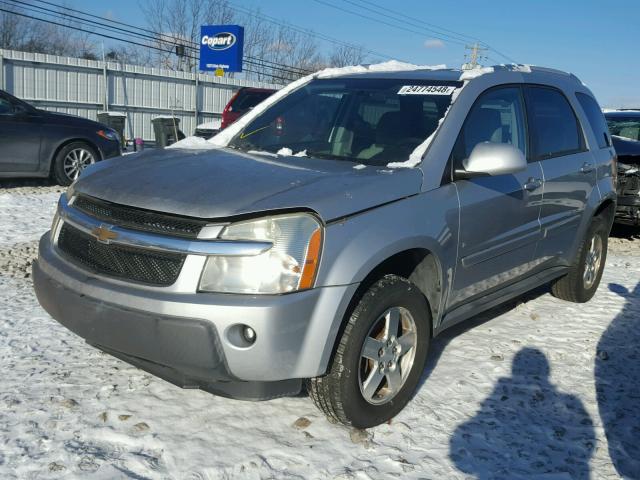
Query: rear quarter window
(553, 125)
(596, 119)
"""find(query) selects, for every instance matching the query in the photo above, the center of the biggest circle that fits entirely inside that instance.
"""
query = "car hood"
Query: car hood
(223, 183)
(628, 150)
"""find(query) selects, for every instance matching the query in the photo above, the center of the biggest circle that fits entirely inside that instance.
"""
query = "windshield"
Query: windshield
(625, 127)
(369, 121)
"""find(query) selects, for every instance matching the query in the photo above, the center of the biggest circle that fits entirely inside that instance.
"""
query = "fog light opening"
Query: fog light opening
(241, 335)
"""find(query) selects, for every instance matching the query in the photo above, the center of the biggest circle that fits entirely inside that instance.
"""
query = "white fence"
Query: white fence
(86, 87)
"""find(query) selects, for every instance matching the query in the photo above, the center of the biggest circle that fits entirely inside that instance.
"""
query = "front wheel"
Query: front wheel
(380, 356)
(71, 160)
(583, 279)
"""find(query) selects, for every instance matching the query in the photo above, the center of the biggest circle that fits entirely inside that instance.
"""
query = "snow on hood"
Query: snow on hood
(192, 143)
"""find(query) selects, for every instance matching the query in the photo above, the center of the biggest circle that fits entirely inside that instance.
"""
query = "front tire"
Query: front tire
(71, 160)
(380, 356)
(583, 279)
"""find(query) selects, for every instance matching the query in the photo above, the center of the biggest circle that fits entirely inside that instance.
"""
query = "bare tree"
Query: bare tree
(11, 29)
(346, 55)
(272, 52)
(21, 33)
(178, 23)
(277, 53)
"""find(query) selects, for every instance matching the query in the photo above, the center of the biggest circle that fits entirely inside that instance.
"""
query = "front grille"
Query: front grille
(129, 263)
(137, 219)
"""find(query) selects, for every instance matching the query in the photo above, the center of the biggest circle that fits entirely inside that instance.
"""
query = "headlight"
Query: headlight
(289, 265)
(108, 134)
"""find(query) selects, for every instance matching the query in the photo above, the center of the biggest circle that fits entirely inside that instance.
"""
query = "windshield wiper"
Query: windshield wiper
(326, 156)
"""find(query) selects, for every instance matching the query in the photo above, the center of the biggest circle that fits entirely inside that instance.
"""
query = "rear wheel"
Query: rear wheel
(379, 358)
(71, 160)
(583, 279)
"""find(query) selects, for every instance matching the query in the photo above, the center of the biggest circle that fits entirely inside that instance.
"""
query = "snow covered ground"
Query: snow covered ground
(538, 386)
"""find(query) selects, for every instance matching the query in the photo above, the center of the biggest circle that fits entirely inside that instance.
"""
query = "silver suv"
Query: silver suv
(329, 234)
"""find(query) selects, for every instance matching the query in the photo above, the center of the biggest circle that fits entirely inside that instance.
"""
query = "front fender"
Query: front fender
(356, 245)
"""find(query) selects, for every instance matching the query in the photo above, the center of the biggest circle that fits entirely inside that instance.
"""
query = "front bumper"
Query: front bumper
(184, 337)
(628, 209)
(109, 149)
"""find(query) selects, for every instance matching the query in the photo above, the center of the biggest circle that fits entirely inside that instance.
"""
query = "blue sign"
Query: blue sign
(221, 47)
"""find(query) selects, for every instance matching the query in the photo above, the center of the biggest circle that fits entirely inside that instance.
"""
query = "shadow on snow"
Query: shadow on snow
(617, 376)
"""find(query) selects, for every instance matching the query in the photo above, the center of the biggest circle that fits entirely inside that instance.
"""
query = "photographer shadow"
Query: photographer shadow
(526, 428)
(617, 376)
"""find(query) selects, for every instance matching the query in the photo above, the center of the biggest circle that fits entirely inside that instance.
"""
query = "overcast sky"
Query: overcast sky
(596, 40)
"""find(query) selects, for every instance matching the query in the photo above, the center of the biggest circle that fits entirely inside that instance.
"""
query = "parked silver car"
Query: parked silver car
(334, 231)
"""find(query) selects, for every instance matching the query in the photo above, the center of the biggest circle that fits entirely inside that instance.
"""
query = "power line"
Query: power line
(412, 22)
(420, 24)
(374, 19)
(462, 35)
(309, 32)
(401, 17)
(160, 37)
(121, 39)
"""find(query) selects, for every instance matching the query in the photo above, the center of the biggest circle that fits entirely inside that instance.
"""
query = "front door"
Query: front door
(20, 134)
(499, 215)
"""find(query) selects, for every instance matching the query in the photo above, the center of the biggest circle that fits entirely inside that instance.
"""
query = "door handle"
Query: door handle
(586, 168)
(532, 184)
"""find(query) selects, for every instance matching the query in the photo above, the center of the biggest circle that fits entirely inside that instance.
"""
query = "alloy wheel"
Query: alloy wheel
(75, 161)
(387, 355)
(593, 260)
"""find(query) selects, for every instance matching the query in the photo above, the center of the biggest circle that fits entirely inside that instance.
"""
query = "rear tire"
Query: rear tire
(380, 356)
(583, 279)
(71, 160)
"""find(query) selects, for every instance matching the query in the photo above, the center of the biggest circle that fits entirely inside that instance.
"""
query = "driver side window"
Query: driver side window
(498, 116)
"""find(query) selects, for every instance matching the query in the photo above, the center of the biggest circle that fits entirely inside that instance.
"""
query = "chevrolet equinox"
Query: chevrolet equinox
(328, 235)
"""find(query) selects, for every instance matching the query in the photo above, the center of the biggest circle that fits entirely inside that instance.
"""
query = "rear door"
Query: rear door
(20, 135)
(499, 224)
(557, 142)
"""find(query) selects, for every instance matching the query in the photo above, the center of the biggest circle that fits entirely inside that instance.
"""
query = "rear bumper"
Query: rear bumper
(184, 338)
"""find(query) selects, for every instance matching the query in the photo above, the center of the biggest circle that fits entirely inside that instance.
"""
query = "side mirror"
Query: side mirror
(493, 159)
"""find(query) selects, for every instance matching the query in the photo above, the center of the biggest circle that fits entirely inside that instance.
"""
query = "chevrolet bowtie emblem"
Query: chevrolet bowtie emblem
(104, 234)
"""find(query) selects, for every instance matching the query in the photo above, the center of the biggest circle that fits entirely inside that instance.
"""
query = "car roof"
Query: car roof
(454, 74)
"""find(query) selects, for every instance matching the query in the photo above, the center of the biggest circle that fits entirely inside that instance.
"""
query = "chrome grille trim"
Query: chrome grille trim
(163, 243)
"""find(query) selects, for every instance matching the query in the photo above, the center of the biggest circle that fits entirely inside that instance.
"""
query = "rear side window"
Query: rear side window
(553, 126)
(596, 119)
(497, 117)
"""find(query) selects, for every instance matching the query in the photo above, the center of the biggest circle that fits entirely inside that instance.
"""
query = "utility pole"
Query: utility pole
(475, 57)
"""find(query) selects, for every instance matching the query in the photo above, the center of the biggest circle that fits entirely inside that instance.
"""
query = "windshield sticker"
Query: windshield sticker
(426, 90)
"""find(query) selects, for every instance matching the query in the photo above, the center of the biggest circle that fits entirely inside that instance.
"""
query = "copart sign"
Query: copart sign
(221, 47)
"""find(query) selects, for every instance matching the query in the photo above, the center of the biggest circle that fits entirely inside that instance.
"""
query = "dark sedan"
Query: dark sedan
(38, 143)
